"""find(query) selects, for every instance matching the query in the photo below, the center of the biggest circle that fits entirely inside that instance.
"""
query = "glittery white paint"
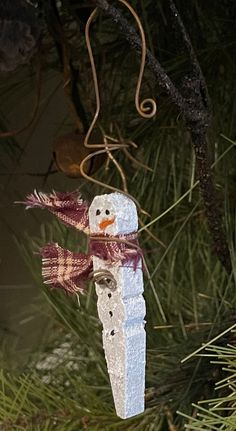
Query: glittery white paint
(122, 310)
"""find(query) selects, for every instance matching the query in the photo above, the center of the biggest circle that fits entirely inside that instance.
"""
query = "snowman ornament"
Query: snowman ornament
(111, 222)
(121, 309)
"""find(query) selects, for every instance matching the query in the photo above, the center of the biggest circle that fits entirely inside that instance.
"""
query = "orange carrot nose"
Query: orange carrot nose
(106, 222)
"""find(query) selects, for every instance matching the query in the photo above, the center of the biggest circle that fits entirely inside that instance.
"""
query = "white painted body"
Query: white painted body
(121, 310)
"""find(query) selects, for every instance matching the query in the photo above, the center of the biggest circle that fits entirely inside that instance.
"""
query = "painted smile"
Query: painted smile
(106, 222)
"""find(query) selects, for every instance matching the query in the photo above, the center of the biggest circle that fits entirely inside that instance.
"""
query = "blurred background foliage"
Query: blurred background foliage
(63, 384)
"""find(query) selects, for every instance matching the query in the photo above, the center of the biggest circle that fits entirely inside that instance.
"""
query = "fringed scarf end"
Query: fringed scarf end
(65, 270)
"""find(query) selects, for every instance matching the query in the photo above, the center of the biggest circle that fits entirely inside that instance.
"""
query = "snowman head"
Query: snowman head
(113, 214)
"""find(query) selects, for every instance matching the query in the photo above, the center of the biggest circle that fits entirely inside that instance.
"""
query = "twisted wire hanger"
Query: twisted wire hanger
(145, 111)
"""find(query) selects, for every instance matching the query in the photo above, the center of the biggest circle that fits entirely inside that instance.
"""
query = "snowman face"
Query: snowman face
(113, 214)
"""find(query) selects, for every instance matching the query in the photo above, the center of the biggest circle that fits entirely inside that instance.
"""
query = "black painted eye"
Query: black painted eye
(98, 212)
(107, 212)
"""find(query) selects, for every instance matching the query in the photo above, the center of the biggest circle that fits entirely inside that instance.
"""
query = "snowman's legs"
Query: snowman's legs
(125, 355)
(121, 312)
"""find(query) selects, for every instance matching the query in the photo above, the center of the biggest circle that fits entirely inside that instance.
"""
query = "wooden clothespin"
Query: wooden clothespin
(121, 306)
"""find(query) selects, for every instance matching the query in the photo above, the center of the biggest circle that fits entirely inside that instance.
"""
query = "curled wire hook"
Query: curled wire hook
(142, 108)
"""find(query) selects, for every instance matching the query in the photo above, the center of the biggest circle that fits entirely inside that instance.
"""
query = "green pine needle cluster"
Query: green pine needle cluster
(218, 413)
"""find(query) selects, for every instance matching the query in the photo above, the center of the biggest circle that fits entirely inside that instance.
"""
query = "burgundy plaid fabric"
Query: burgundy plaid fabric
(114, 251)
(70, 271)
(68, 207)
(64, 269)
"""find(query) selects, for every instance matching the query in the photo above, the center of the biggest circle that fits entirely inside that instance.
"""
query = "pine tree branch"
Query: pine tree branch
(197, 96)
(194, 61)
(193, 104)
(208, 192)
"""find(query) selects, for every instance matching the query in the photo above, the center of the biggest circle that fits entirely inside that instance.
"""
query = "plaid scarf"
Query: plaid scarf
(69, 271)
(68, 207)
(66, 270)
